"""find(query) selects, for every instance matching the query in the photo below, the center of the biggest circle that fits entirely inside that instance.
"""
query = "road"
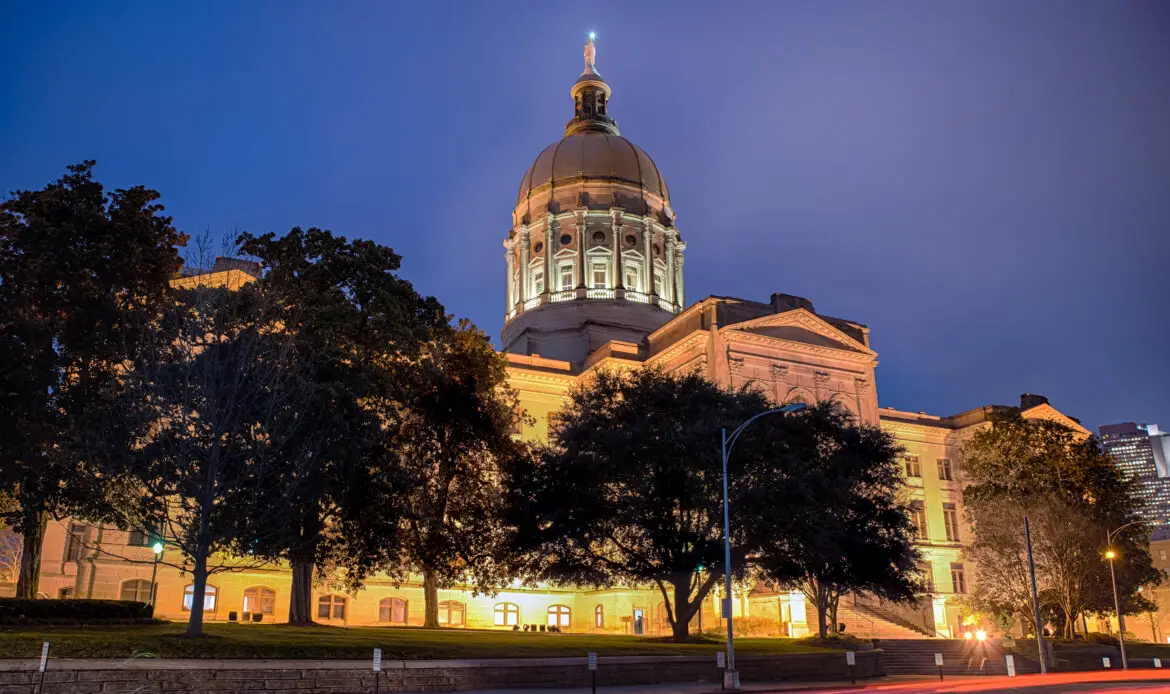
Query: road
(1114, 682)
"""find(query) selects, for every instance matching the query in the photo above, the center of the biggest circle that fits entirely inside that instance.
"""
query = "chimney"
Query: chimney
(1029, 400)
(788, 302)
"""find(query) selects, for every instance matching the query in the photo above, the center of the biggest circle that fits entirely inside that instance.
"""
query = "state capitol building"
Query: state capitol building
(594, 279)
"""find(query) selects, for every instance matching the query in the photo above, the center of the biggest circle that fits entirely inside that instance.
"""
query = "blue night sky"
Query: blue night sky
(985, 184)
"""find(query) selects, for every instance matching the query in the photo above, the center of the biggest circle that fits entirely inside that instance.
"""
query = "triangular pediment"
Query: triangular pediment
(1046, 411)
(803, 326)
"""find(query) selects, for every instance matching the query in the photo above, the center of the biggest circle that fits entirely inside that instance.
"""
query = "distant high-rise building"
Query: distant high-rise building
(1142, 451)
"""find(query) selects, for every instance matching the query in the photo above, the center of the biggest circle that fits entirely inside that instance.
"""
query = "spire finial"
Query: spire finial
(591, 54)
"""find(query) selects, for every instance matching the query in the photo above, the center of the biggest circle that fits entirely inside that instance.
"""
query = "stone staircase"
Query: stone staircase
(867, 624)
(960, 657)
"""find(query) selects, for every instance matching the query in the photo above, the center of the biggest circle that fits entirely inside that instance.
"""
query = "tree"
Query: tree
(861, 540)
(80, 272)
(209, 420)
(1073, 494)
(454, 441)
(630, 489)
(361, 330)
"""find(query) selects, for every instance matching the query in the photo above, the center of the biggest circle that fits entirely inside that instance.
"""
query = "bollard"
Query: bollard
(44, 664)
(1105, 663)
(851, 661)
(721, 665)
(1157, 662)
(377, 670)
(593, 670)
(1011, 665)
(938, 660)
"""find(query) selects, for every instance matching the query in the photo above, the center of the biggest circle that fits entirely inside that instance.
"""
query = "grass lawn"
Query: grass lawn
(278, 641)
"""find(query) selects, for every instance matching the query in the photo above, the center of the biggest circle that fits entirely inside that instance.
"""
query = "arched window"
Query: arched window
(451, 613)
(507, 614)
(209, 592)
(558, 615)
(599, 617)
(331, 607)
(392, 610)
(259, 599)
(136, 590)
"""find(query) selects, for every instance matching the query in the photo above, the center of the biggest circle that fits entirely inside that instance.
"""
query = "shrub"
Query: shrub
(21, 611)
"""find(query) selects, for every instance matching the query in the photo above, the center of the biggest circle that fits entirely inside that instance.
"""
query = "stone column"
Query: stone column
(648, 265)
(581, 216)
(524, 263)
(668, 278)
(510, 257)
(548, 253)
(680, 297)
(619, 271)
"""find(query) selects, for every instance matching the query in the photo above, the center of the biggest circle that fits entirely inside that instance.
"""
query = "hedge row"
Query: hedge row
(21, 611)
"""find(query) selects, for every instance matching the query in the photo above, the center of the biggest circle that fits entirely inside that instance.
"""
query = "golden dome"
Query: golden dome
(593, 155)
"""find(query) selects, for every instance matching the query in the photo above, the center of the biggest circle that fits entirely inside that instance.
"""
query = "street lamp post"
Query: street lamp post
(158, 550)
(1110, 555)
(730, 675)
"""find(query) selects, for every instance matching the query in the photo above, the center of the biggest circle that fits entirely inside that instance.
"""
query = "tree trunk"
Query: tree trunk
(822, 603)
(33, 541)
(680, 628)
(300, 596)
(430, 599)
(833, 615)
(199, 574)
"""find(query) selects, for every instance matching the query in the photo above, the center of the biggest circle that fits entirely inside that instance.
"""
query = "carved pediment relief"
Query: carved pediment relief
(801, 326)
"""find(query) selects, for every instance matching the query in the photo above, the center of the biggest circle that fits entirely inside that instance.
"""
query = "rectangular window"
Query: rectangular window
(944, 470)
(631, 280)
(918, 516)
(913, 467)
(951, 521)
(927, 576)
(566, 274)
(600, 276)
(538, 281)
(75, 545)
(137, 539)
(658, 283)
(958, 579)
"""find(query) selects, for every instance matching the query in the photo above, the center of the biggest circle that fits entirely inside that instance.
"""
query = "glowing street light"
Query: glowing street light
(592, 35)
(730, 676)
(157, 547)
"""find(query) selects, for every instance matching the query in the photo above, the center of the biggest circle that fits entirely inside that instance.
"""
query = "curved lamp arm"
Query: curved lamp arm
(794, 407)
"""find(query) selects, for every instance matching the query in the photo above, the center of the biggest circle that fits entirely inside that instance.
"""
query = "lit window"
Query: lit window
(913, 467)
(331, 607)
(958, 578)
(451, 613)
(209, 592)
(631, 280)
(951, 521)
(600, 276)
(566, 275)
(538, 281)
(918, 516)
(558, 616)
(392, 610)
(1162, 554)
(944, 469)
(136, 590)
(258, 599)
(927, 576)
(599, 617)
(507, 614)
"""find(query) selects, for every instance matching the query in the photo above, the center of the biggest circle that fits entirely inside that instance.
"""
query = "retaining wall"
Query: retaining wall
(66, 676)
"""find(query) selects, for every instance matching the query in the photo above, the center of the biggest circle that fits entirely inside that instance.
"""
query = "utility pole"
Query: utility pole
(1035, 599)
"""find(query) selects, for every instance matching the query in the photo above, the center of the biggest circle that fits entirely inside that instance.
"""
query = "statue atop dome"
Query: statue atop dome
(590, 54)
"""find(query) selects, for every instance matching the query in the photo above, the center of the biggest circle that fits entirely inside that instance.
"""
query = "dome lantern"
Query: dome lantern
(591, 98)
